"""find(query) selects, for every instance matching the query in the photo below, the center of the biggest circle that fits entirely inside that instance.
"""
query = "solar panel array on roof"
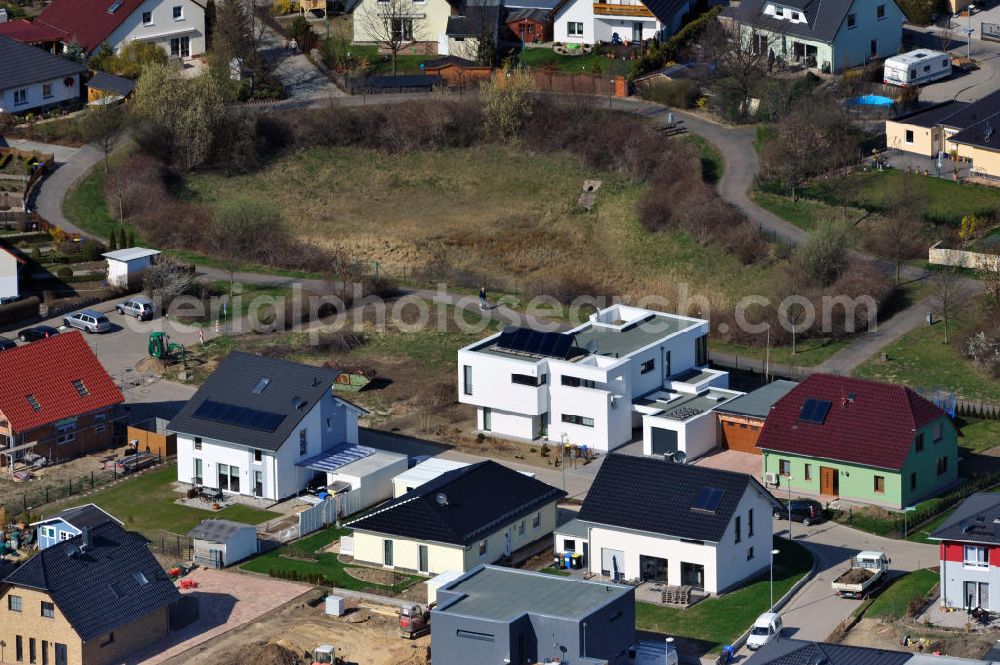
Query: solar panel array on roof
(526, 340)
(238, 416)
(708, 499)
(815, 410)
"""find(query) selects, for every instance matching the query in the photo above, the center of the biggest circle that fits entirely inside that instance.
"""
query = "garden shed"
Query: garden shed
(221, 543)
(126, 266)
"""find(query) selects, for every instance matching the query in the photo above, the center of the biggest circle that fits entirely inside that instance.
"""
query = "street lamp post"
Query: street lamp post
(968, 33)
(788, 481)
(771, 606)
(906, 509)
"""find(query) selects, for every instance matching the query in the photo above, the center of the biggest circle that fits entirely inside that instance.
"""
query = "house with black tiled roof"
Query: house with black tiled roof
(92, 599)
(652, 520)
(477, 514)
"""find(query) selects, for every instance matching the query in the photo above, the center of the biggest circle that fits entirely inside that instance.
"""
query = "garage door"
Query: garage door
(663, 440)
(740, 436)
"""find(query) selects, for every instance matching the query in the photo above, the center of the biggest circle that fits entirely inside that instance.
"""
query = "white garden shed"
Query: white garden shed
(221, 543)
(126, 266)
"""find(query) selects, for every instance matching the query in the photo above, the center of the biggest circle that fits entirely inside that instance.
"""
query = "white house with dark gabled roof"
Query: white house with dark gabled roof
(648, 519)
(830, 35)
(265, 427)
(596, 21)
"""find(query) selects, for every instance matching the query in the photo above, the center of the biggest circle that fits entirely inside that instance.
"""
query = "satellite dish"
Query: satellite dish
(592, 346)
(442, 499)
(680, 456)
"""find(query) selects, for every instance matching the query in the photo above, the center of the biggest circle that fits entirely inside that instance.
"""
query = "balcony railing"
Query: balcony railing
(608, 9)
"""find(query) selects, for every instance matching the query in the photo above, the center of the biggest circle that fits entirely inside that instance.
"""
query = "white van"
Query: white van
(916, 68)
(654, 652)
(767, 627)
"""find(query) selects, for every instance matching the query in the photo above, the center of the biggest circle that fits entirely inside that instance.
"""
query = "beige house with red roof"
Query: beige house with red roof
(56, 400)
(177, 26)
(864, 441)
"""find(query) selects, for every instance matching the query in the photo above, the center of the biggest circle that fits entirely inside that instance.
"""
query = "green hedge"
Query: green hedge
(660, 55)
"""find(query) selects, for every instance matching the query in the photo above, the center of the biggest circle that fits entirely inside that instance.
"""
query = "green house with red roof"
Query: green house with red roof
(864, 441)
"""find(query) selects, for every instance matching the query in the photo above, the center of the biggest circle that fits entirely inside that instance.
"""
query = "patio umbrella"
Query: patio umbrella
(614, 566)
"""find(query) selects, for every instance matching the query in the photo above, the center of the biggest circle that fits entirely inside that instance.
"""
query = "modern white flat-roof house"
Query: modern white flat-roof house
(680, 524)
(266, 427)
(592, 385)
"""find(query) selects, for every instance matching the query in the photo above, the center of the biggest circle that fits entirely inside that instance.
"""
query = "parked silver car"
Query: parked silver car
(140, 307)
(88, 321)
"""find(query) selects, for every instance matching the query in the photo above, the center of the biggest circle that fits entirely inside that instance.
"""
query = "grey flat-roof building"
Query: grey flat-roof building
(493, 615)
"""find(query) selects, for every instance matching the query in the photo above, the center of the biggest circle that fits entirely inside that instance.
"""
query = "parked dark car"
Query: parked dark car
(6, 344)
(37, 333)
(807, 511)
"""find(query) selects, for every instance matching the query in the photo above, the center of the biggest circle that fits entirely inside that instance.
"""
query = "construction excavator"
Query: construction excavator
(161, 348)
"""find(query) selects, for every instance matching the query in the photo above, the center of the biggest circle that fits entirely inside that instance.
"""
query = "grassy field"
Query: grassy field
(86, 206)
(921, 359)
(946, 201)
(487, 214)
(804, 213)
(325, 564)
(891, 602)
(809, 352)
(719, 621)
(406, 63)
(712, 163)
(145, 504)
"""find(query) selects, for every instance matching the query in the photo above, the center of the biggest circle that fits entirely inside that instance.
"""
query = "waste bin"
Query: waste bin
(567, 560)
(577, 560)
(728, 653)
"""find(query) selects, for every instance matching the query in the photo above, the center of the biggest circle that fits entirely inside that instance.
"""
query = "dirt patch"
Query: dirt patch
(263, 653)
(877, 634)
(855, 576)
(300, 628)
(375, 576)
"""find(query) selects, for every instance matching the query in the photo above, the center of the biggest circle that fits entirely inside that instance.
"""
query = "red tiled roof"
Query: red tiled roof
(30, 32)
(47, 369)
(876, 429)
(87, 21)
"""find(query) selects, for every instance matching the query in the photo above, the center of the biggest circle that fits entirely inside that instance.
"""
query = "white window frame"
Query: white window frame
(21, 97)
(65, 438)
(46, 87)
(177, 11)
(150, 21)
(975, 561)
(574, 28)
(65, 535)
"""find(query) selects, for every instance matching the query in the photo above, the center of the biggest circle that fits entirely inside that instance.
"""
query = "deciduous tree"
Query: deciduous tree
(102, 125)
(392, 24)
(948, 296)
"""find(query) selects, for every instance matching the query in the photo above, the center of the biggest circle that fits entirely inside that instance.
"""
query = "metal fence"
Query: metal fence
(172, 544)
(36, 497)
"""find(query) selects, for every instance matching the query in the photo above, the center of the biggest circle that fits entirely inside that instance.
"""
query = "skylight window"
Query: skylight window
(115, 7)
(33, 401)
(261, 386)
(81, 389)
(814, 411)
(141, 578)
(708, 499)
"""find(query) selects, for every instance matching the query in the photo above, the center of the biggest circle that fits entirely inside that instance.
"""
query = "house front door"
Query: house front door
(828, 481)
(60, 654)
(636, 31)
(258, 483)
(422, 559)
(873, 48)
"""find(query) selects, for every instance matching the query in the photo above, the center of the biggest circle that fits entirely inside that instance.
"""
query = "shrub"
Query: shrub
(64, 272)
(282, 7)
(680, 94)
(507, 103)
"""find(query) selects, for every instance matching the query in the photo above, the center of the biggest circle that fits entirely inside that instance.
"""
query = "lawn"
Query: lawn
(145, 503)
(485, 215)
(86, 206)
(406, 63)
(712, 163)
(323, 565)
(536, 58)
(978, 435)
(803, 213)
(891, 602)
(808, 352)
(921, 359)
(946, 201)
(559, 572)
(719, 621)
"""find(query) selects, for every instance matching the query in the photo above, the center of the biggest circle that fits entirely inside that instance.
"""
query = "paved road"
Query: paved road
(815, 611)
(302, 80)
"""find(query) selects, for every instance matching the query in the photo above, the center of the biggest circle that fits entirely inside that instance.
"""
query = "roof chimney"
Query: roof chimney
(85, 539)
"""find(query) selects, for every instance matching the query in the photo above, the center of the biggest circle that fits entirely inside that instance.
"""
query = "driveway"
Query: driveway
(815, 612)
(301, 78)
(966, 87)
(226, 600)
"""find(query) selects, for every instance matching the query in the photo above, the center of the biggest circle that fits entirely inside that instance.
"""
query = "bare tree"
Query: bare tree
(165, 280)
(898, 237)
(948, 296)
(101, 125)
(392, 24)
(743, 52)
(989, 273)
(793, 156)
(119, 183)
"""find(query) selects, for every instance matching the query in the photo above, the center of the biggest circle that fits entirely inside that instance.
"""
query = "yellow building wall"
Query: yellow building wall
(923, 138)
(430, 21)
(29, 623)
(984, 160)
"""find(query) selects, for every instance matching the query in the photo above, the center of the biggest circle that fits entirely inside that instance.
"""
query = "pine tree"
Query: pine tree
(131, 238)
(122, 241)
(112, 241)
